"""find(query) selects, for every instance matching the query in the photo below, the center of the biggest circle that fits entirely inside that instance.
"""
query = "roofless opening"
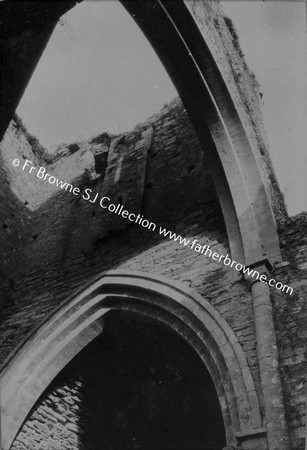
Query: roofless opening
(136, 386)
(97, 74)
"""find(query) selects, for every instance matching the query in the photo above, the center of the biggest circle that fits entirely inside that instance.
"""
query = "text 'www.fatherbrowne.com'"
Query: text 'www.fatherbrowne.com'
(216, 256)
(206, 251)
(119, 209)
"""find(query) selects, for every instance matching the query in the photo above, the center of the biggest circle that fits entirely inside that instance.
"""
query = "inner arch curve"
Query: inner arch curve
(77, 321)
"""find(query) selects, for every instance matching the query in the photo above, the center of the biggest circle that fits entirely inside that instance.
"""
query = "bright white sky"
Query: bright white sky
(98, 73)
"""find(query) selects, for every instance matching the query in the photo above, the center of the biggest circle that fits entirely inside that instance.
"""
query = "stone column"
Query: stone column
(275, 423)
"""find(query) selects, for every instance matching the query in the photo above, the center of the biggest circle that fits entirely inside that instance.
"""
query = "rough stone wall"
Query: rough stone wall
(76, 240)
(291, 324)
(157, 170)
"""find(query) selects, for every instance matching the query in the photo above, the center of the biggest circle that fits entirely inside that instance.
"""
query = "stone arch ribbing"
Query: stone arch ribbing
(29, 371)
(188, 55)
(180, 34)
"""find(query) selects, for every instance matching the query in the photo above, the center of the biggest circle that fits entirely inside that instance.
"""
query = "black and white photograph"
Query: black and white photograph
(153, 225)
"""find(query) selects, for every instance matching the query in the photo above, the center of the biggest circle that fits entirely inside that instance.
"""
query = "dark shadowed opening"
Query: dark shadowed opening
(137, 386)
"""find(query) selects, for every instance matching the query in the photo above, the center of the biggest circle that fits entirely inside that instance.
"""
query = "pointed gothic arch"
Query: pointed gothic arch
(186, 50)
(75, 323)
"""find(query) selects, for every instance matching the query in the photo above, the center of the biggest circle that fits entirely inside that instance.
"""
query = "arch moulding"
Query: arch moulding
(77, 321)
(180, 33)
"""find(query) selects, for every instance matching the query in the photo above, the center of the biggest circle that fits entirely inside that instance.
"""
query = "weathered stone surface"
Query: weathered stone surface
(64, 241)
(52, 242)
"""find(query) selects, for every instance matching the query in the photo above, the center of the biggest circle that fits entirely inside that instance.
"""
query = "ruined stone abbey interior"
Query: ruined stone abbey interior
(113, 335)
